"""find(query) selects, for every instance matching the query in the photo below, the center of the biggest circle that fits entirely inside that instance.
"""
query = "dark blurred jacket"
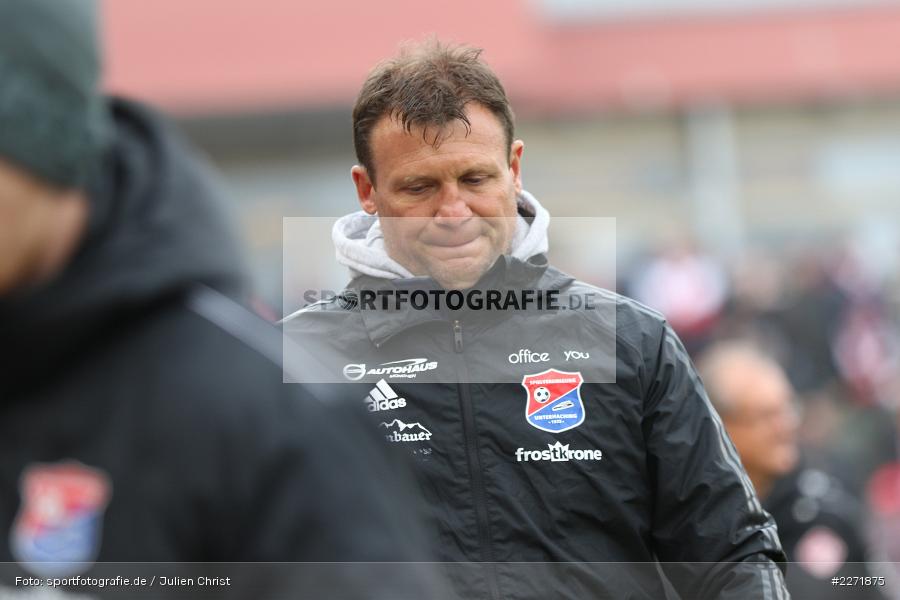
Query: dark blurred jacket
(820, 525)
(142, 411)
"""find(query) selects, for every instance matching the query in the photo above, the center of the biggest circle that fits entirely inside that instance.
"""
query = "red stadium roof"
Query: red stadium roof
(206, 56)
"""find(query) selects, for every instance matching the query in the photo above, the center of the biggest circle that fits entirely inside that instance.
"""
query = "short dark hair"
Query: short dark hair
(427, 84)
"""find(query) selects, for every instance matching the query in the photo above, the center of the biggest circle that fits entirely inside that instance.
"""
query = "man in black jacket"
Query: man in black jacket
(554, 424)
(143, 414)
(819, 522)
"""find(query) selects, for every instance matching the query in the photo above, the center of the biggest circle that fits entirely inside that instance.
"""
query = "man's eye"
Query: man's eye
(417, 189)
(474, 180)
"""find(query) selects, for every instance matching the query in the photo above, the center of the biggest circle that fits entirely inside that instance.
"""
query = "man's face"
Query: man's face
(447, 212)
(763, 425)
(38, 227)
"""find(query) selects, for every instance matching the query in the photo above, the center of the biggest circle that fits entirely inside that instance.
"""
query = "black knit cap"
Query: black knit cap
(53, 119)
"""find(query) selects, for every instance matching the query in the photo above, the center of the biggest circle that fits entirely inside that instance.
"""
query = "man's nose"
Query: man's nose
(452, 209)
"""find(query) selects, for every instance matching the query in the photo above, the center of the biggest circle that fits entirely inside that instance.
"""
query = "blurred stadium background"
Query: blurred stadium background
(749, 151)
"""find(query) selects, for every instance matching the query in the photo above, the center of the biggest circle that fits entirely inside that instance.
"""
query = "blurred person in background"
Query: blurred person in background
(439, 184)
(142, 411)
(689, 287)
(820, 523)
(821, 314)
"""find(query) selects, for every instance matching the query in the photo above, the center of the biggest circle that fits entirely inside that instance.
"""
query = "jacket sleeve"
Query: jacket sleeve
(319, 491)
(710, 532)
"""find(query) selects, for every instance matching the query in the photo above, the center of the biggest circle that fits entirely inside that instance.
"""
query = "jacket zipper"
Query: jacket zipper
(457, 336)
(475, 469)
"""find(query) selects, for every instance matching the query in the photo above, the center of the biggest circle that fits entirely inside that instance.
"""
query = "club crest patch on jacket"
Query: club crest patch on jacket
(554, 400)
(58, 528)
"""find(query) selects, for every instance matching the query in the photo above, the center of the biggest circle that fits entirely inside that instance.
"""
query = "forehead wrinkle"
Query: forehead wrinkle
(418, 168)
(410, 145)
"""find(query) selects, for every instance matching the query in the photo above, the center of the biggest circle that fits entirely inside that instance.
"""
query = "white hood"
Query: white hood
(359, 242)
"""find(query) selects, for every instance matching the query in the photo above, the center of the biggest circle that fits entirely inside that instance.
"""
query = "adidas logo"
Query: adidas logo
(383, 397)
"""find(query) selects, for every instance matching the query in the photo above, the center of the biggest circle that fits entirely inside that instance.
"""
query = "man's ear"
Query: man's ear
(365, 190)
(515, 162)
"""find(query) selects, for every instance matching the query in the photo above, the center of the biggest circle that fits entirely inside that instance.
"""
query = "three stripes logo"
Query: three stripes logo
(383, 397)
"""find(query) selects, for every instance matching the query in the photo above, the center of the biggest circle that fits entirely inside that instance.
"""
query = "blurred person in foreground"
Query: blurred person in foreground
(142, 411)
(819, 522)
(567, 471)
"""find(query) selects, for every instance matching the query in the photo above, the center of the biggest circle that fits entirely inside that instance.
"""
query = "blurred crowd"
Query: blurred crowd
(828, 315)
